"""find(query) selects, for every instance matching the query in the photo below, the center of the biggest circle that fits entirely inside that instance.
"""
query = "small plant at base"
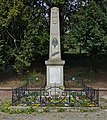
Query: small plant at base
(46, 109)
(103, 107)
(26, 111)
(83, 110)
(61, 110)
(91, 110)
(5, 106)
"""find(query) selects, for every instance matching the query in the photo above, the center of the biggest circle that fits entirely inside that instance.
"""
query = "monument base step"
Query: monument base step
(55, 90)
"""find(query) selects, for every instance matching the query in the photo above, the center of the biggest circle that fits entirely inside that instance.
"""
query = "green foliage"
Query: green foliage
(88, 29)
(85, 74)
(9, 10)
(87, 110)
(5, 106)
(2, 67)
(46, 109)
(10, 25)
(103, 107)
(24, 57)
(4, 55)
(35, 40)
(103, 5)
(61, 109)
(2, 61)
(24, 29)
(32, 79)
(58, 2)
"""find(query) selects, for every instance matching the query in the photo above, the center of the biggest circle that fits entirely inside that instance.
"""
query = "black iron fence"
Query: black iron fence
(18, 94)
(87, 96)
(92, 94)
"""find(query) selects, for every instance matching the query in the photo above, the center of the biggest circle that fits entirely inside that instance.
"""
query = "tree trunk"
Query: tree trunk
(94, 59)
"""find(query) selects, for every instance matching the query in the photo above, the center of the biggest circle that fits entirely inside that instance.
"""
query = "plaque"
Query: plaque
(54, 75)
(54, 42)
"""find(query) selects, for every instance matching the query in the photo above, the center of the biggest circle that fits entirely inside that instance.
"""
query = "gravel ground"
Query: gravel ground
(101, 115)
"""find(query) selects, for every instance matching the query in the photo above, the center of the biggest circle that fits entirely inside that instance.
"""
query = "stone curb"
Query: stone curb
(10, 88)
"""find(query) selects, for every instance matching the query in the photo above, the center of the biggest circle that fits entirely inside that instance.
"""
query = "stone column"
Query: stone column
(54, 52)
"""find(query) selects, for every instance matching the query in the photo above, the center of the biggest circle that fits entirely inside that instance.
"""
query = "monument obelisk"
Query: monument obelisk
(54, 64)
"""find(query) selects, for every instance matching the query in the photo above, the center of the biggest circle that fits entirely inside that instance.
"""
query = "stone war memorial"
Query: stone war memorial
(55, 93)
(54, 64)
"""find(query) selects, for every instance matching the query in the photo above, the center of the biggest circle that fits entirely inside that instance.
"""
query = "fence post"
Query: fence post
(98, 96)
(69, 97)
(12, 96)
(40, 95)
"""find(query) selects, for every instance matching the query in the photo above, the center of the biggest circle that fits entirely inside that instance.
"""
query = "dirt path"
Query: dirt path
(99, 115)
(5, 95)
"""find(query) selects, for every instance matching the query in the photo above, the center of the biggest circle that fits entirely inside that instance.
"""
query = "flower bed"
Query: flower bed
(73, 99)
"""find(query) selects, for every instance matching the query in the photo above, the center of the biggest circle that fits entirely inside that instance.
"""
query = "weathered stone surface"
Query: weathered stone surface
(54, 51)
(54, 64)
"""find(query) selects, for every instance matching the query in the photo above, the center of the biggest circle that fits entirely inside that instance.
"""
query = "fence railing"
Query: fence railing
(87, 96)
(18, 93)
(91, 93)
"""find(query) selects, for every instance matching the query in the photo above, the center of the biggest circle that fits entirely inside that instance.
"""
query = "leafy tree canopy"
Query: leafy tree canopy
(24, 28)
(89, 30)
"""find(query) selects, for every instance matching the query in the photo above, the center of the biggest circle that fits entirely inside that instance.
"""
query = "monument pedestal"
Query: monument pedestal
(54, 73)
